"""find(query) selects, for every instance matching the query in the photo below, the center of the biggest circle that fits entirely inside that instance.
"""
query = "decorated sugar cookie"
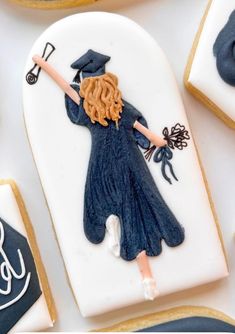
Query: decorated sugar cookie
(209, 75)
(121, 196)
(112, 158)
(25, 301)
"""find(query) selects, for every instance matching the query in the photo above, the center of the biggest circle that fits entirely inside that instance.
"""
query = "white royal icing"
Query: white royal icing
(37, 317)
(113, 234)
(204, 75)
(150, 289)
(200, 259)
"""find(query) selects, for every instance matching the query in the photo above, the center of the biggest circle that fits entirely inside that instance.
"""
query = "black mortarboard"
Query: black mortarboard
(91, 64)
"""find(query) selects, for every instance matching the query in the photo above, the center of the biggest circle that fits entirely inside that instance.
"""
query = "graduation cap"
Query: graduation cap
(91, 64)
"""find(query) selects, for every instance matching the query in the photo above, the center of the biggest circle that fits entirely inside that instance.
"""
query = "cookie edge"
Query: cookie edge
(34, 248)
(176, 313)
(54, 4)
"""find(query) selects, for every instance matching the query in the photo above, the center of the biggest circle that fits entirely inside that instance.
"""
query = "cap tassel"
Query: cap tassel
(149, 152)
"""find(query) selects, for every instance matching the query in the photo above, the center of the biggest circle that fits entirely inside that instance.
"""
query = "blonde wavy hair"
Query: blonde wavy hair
(102, 98)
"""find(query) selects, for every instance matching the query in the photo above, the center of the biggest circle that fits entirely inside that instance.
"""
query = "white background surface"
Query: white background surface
(173, 24)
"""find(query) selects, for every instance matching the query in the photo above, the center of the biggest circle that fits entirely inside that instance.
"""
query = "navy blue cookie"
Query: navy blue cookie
(19, 283)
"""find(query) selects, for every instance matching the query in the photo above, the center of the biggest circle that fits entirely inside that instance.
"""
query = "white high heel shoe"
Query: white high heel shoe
(150, 288)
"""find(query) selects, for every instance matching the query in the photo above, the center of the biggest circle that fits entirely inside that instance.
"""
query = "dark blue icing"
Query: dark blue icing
(10, 242)
(192, 324)
(224, 51)
(176, 138)
(119, 182)
(164, 155)
(90, 64)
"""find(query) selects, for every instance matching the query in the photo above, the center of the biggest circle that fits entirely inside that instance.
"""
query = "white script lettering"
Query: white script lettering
(8, 274)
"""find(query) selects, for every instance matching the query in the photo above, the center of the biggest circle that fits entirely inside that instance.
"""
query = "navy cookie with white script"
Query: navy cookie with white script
(19, 284)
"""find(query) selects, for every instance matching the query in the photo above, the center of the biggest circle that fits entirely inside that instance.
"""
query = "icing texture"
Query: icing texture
(200, 259)
(119, 183)
(177, 137)
(102, 98)
(164, 155)
(19, 284)
(91, 64)
(224, 51)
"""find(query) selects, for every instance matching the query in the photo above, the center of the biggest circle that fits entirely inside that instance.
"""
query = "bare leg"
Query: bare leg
(149, 283)
(144, 265)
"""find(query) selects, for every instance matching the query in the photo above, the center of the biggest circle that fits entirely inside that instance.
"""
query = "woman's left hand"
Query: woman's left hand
(158, 141)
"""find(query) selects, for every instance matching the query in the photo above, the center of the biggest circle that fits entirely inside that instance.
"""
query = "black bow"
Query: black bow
(164, 155)
(177, 137)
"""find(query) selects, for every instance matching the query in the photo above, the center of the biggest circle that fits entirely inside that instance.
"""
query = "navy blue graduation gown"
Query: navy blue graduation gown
(120, 183)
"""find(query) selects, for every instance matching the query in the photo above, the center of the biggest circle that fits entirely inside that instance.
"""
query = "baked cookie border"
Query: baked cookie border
(172, 314)
(52, 4)
(34, 248)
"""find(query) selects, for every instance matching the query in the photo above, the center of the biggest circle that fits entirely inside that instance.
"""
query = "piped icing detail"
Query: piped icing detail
(118, 180)
(8, 273)
(33, 74)
(176, 138)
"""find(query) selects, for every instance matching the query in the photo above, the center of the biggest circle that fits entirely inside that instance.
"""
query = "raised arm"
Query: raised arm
(152, 137)
(60, 81)
(65, 86)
